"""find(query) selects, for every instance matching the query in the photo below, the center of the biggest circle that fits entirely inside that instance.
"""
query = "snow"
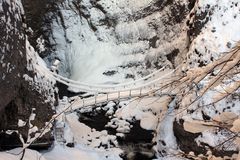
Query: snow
(90, 137)
(35, 63)
(215, 138)
(21, 123)
(149, 122)
(60, 153)
(123, 7)
(165, 132)
(79, 152)
(147, 110)
(29, 155)
(225, 21)
(11, 131)
(88, 54)
(172, 157)
(109, 40)
(41, 44)
(138, 109)
(109, 108)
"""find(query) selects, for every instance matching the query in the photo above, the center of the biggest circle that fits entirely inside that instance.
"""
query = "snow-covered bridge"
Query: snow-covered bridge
(145, 86)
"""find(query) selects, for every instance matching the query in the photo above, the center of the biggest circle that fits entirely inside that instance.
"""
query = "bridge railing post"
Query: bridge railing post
(140, 92)
(130, 93)
(118, 95)
(107, 97)
(96, 98)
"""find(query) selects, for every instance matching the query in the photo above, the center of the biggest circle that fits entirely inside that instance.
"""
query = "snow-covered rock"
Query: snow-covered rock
(23, 91)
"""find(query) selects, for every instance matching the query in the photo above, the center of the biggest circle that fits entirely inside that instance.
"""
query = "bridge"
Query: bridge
(145, 86)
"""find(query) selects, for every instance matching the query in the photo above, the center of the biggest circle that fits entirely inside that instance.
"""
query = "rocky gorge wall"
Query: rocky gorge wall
(129, 38)
(26, 98)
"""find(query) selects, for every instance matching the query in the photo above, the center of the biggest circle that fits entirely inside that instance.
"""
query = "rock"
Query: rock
(38, 19)
(22, 93)
(187, 143)
(199, 19)
(236, 126)
(186, 140)
(226, 118)
(194, 126)
(71, 145)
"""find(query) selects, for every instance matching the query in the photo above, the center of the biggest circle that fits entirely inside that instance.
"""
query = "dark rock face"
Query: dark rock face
(38, 18)
(18, 98)
(12, 33)
(9, 141)
(186, 140)
(198, 22)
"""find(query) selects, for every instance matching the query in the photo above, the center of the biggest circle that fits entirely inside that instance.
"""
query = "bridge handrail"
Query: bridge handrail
(104, 86)
(110, 89)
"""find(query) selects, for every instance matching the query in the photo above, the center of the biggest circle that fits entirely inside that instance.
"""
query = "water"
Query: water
(137, 144)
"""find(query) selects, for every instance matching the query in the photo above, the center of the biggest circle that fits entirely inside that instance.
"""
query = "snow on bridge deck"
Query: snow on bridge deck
(101, 98)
